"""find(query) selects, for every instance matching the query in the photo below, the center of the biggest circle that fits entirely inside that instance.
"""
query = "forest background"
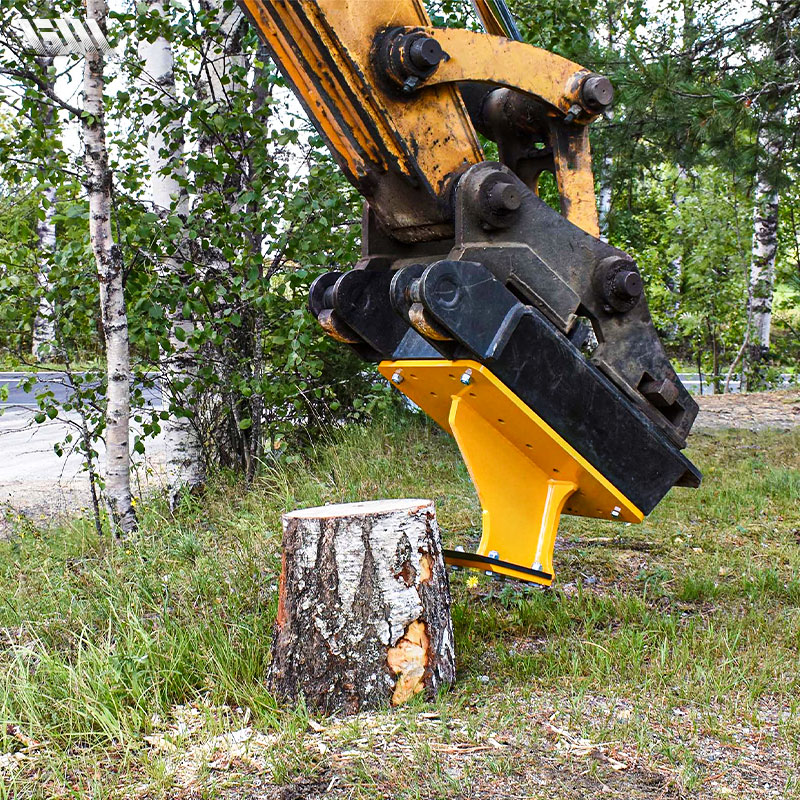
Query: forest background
(164, 209)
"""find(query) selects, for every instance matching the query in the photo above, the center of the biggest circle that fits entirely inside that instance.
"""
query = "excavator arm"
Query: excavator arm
(475, 296)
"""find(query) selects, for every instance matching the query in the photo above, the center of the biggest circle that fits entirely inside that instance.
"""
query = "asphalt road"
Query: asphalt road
(39, 483)
(36, 482)
(57, 383)
(61, 388)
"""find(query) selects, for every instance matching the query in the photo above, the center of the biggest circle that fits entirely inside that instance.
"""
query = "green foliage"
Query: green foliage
(259, 231)
(702, 316)
(268, 212)
(17, 268)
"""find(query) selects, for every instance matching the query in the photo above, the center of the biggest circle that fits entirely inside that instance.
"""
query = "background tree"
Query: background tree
(185, 463)
(780, 32)
(108, 257)
(38, 96)
(226, 205)
(44, 332)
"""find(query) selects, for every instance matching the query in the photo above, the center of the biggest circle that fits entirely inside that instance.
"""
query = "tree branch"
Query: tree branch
(28, 75)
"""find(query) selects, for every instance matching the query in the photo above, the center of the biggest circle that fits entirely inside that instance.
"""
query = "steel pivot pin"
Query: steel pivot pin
(466, 377)
(397, 377)
(494, 555)
(615, 511)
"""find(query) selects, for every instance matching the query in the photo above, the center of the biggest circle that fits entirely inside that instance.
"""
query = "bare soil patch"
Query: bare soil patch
(757, 411)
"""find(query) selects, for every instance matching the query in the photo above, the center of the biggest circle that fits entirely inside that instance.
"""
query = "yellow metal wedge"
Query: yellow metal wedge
(526, 475)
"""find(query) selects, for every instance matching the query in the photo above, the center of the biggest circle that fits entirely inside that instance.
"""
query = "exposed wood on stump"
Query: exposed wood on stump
(364, 610)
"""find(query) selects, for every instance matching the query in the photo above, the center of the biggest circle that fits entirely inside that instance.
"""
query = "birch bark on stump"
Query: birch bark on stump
(364, 608)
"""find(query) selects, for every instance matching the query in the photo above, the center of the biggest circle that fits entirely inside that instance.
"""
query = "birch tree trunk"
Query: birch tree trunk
(185, 464)
(762, 261)
(688, 42)
(220, 80)
(44, 327)
(604, 197)
(44, 323)
(676, 265)
(364, 606)
(220, 84)
(778, 38)
(605, 190)
(108, 258)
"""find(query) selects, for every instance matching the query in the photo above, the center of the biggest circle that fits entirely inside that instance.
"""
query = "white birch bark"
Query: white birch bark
(220, 79)
(108, 258)
(761, 281)
(220, 82)
(604, 197)
(765, 246)
(363, 608)
(44, 327)
(676, 265)
(185, 465)
(44, 322)
(605, 193)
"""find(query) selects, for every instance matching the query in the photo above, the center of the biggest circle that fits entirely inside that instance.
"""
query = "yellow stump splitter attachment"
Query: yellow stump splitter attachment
(525, 474)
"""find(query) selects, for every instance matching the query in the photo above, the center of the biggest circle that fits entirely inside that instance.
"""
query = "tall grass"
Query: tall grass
(700, 604)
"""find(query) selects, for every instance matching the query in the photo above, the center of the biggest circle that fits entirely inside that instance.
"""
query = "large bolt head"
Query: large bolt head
(661, 393)
(406, 59)
(425, 53)
(504, 198)
(618, 284)
(627, 284)
(597, 92)
(497, 197)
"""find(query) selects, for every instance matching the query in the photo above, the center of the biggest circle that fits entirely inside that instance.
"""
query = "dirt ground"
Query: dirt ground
(759, 411)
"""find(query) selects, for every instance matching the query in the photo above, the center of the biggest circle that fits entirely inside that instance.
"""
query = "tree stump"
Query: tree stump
(364, 606)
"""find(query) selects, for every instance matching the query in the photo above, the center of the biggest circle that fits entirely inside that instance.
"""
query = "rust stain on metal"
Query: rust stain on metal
(334, 329)
(574, 176)
(503, 62)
